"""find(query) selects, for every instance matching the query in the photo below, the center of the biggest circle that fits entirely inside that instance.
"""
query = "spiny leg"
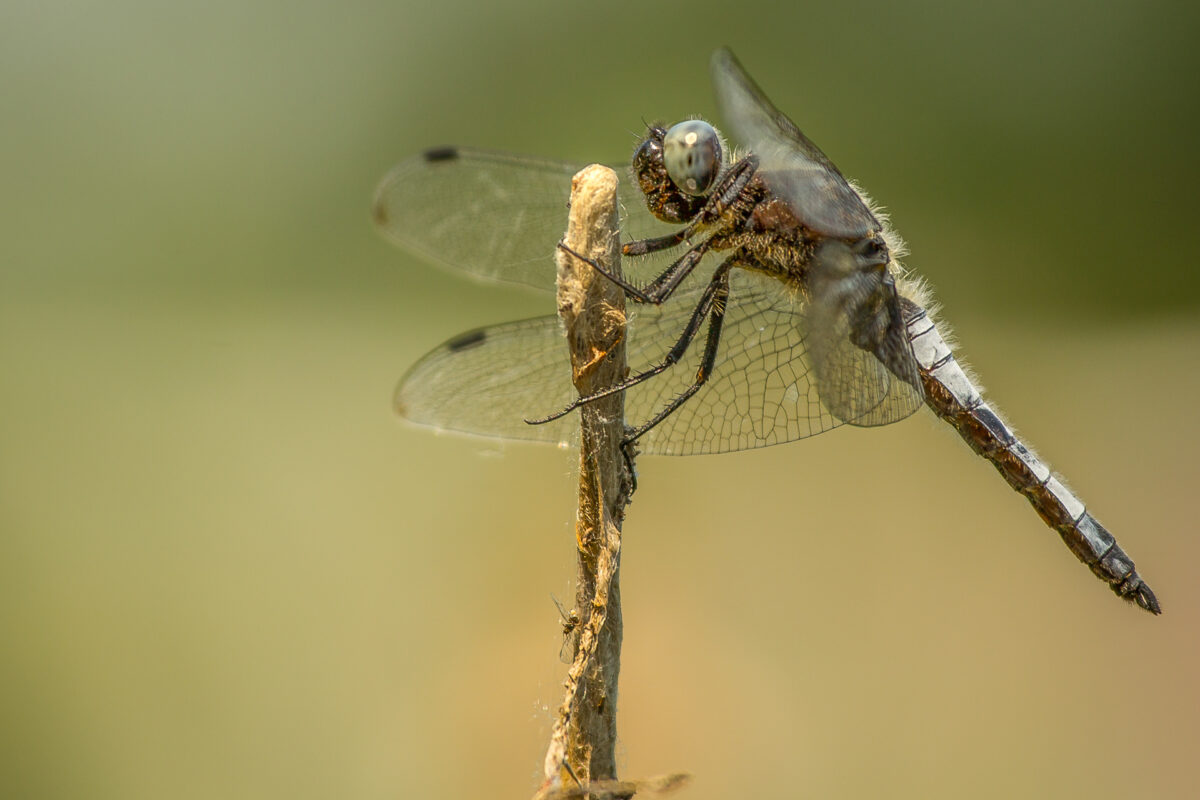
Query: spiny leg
(732, 184)
(640, 247)
(711, 300)
(716, 318)
(662, 287)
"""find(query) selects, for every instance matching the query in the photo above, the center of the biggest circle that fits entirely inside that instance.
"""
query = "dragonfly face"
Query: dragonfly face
(676, 168)
(810, 321)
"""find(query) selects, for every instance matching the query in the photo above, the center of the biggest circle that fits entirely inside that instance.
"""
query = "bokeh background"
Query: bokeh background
(227, 570)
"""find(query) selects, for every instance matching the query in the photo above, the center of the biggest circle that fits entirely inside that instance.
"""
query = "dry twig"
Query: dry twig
(582, 746)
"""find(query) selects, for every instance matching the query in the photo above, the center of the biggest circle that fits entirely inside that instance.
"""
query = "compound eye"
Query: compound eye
(692, 156)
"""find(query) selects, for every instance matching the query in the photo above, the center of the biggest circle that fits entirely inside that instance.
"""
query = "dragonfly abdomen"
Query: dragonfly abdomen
(955, 398)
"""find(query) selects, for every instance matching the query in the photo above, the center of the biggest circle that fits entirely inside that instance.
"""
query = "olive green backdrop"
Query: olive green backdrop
(227, 571)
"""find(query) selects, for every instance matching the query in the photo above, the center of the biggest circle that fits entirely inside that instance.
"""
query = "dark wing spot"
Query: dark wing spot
(380, 213)
(440, 154)
(466, 341)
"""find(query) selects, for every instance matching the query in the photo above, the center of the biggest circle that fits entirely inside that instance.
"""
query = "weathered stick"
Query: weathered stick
(592, 308)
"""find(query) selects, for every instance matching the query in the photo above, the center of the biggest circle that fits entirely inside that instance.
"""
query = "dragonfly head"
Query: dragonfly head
(677, 167)
(692, 156)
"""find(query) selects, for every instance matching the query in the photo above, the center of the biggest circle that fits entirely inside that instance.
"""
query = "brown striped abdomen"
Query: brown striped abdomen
(954, 398)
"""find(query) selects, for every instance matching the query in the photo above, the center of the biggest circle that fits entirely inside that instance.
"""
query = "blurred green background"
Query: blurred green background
(226, 570)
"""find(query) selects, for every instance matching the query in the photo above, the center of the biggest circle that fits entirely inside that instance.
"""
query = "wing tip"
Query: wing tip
(723, 55)
(399, 405)
(724, 61)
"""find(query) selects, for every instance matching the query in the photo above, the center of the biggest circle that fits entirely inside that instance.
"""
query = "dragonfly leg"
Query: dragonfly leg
(714, 295)
(730, 188)
(727, 191)
(629, 452)
(640, 247)
(719, 289)
(661, 288)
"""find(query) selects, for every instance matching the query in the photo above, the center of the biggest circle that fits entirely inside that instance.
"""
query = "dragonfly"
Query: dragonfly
(811, 320)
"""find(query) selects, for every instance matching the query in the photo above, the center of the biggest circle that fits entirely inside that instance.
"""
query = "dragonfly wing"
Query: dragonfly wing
(494, 215)
(766, 388)
(488, 381)
(863, 362)
(762, 390)
(793, 167)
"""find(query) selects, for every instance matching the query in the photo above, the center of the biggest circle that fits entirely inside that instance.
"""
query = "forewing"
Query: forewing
(793, 167)
(494, 215)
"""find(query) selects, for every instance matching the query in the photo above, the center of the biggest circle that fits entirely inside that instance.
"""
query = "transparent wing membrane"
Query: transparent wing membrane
(494, 215)
(763, 390)
(789, 162)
